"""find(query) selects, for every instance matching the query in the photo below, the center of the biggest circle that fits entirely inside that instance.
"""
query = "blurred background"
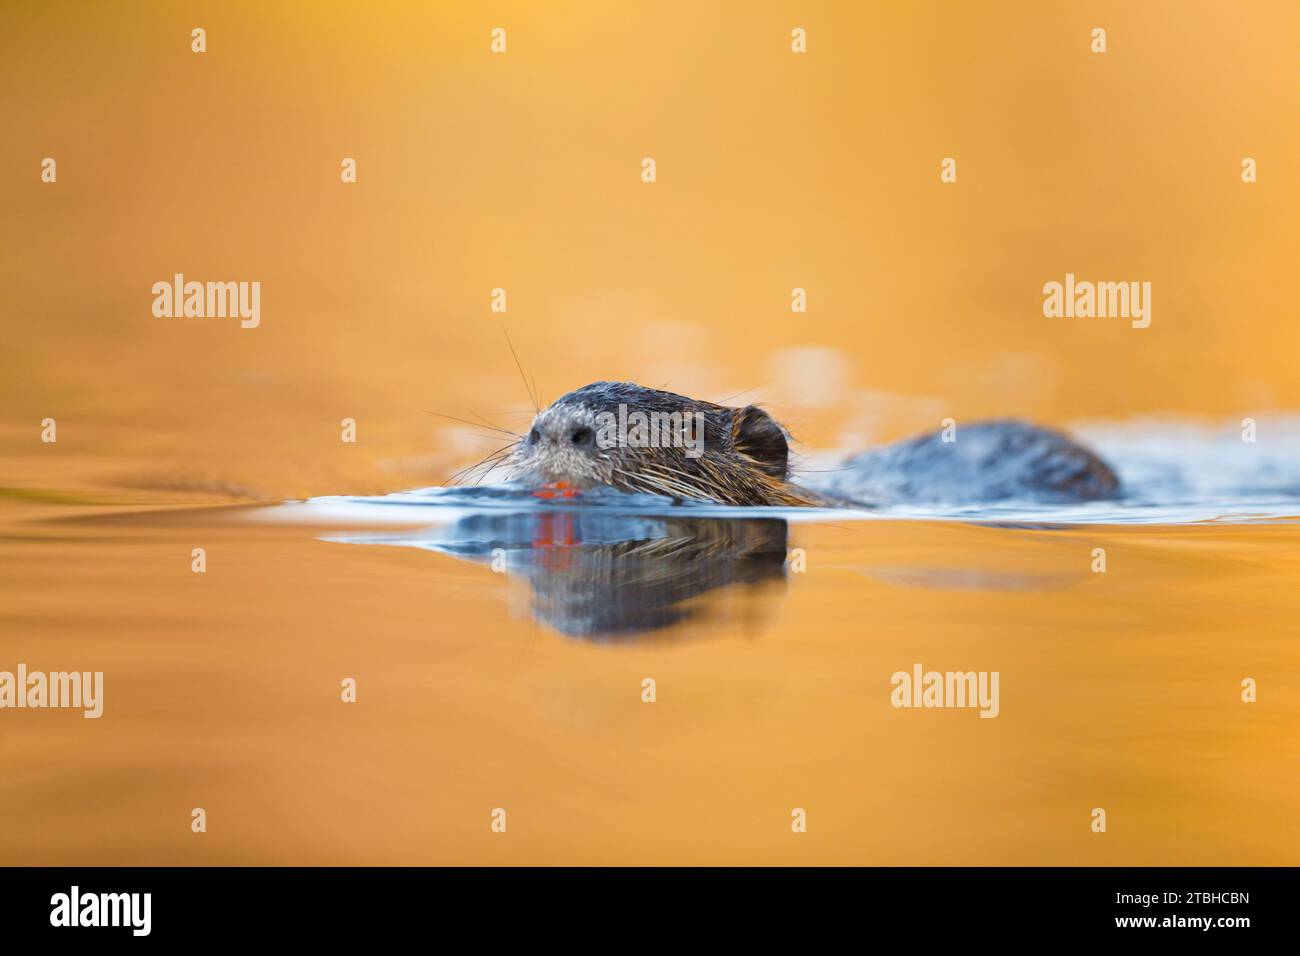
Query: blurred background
(522, 171)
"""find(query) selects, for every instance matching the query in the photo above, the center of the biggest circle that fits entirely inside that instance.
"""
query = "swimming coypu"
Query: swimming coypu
(597, 436)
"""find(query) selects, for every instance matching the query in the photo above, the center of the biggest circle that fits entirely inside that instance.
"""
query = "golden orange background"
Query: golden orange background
(522, 171)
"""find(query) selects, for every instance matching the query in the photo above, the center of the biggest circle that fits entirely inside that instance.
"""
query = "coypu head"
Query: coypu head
(642, 440)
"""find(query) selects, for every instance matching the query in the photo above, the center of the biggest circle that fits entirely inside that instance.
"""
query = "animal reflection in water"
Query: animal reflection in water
(602, 576)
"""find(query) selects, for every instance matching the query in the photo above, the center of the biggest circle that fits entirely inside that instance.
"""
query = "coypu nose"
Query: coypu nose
(578, 436)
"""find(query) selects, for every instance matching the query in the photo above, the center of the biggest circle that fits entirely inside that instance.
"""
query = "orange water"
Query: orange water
(1120, 690)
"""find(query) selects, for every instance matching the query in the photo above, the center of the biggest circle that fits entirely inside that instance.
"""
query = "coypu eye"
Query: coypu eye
(582, 437)
(534, 437)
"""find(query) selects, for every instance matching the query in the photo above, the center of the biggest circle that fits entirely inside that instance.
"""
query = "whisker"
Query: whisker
(491, 424)
(743, 391)
(668, 480)
(495, 458)
(637, 485)
(453, 480)
(531, 397)
(482, 421)
(495, 465)
(473, 479)
(662, 483)
(678, 476)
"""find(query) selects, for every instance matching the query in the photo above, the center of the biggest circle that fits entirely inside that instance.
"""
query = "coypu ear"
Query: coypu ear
(756, 434)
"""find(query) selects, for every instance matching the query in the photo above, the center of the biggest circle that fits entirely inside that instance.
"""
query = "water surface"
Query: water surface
(520, 685)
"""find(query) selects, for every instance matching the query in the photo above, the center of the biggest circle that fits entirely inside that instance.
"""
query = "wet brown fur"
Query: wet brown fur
(745, 459)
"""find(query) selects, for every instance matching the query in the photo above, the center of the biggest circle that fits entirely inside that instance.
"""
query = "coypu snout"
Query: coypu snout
(643, 440)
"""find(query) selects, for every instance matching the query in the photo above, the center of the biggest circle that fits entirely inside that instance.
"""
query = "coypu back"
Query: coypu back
(991, 461)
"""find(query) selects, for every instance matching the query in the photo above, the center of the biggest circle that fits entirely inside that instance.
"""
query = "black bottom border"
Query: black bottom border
(977, 904)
